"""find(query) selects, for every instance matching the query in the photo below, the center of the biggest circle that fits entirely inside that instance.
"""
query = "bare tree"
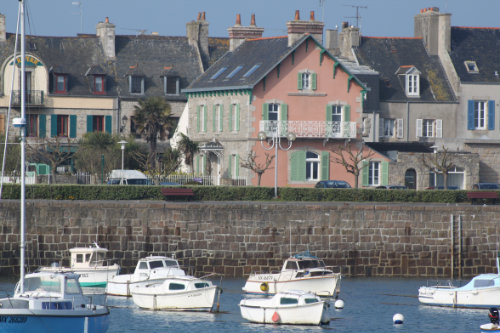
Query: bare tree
(439, 162)
(259, 168)
(351, 156)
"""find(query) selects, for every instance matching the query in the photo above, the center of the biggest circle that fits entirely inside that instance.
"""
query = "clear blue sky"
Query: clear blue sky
(169, 17)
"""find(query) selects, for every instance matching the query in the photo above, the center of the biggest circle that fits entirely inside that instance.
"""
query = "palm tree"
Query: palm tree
(153, 121)
(188, 149)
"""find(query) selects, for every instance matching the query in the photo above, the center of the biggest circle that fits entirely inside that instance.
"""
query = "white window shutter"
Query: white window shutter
(399, 128)
(381, 122)
(419, 128)
(439, 128)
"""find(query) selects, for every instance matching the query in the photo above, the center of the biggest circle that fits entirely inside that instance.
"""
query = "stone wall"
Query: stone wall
(235, 238)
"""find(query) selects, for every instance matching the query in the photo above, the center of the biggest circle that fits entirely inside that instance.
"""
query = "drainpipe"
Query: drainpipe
(407, 121)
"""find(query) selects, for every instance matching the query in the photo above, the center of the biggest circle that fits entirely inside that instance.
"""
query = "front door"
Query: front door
(411, 179)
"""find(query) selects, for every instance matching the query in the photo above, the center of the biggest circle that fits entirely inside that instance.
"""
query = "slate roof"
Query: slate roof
(481, 45)
(257, 57)
(387, 55)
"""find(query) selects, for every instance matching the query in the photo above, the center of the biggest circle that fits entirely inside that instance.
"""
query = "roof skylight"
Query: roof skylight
(233, 73)
(219, 72)
(251, 70)
(471, 66)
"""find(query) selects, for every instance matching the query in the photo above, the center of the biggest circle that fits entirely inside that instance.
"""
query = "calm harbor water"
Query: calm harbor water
(370, 304)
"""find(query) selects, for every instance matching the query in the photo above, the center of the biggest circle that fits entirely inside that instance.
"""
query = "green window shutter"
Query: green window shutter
(221, 120)
(230, 166)
(196, 164)
(313, 77)
(299, 81)
(230, 117)
(205, 112)
(237, 165)
(107, 124)
(204, 165)
(42, 125)
(237, 117)
(214, 118)
(53, 125)
(347, 113)
(198, 116)
(329, 113)
(72, 126)
(90, 124)
(265, 111)
(365, 173)
(298, 165)
(385, 173)
(284, 119)
(325, 165)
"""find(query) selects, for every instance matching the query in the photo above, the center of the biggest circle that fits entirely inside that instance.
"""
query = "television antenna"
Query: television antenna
(357, 17)
(322, 8)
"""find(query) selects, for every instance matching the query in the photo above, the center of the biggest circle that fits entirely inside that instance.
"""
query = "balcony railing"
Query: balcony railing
(33, 97)
(310, 128)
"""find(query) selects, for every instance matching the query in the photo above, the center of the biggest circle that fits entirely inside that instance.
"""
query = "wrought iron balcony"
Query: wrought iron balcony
(310, 128)
(33, 97)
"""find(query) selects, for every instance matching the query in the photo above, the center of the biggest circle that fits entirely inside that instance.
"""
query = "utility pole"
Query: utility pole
(357, 17)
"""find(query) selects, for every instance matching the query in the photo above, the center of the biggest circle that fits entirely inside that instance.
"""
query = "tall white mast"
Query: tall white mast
(23, 139)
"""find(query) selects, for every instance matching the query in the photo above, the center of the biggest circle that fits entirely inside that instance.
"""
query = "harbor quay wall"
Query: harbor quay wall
(237, 238)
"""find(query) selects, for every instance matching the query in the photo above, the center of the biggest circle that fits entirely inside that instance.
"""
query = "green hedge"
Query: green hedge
(230, 193)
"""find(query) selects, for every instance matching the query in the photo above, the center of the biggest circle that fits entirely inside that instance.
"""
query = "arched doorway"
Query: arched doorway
(411, 179)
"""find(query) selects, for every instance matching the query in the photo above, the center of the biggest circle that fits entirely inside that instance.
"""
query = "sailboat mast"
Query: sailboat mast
(23, 139)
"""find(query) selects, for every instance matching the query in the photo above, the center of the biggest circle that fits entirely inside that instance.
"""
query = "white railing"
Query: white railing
(17, 180)
(310, 128)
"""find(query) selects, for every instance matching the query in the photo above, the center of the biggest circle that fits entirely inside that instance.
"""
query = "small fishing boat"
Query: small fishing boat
(492, 326)
(299, 272)
(293, 307)
(179, 293)
(483, 291)
(151, 269)
(90, 263)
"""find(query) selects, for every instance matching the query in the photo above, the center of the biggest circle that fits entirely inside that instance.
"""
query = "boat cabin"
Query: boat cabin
(146, 265)
(84, 257)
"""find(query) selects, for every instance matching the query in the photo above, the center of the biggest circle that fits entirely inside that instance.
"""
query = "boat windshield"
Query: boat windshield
(155, 264)
(483, 283)
(171, 263)
(306, 264)
(72, 286)
(47, 283)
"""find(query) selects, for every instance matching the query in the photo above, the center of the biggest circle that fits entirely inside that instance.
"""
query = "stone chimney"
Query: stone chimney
(435, 30)
(332, 41)
(297, 28)
(238, 34)
(106, 34)
(197, 35)
(3, 31)
(349, 39)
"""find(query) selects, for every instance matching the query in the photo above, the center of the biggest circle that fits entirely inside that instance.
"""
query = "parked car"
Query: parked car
(128, 177)
(486, 186)
(332, 184)
(392, 187)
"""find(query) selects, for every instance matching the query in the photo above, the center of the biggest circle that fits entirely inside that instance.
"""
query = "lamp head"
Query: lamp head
(291, 137)
(262, 136)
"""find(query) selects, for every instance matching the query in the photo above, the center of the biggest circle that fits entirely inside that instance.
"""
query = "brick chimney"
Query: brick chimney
(349, 38)
(238, 34)
(3, 31)
(197, 35)
(297, 28)
(435, 29)
(106, 34)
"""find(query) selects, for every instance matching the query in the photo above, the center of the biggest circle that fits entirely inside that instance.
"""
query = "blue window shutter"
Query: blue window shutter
(107, 124)
(470, 115)
(385, 173)
(42, 125)
(365, 173)
(53, 125)
(265, 111)
(491, 115)
(325, 165)
(298, 165)
(72, 126)
(90, 124)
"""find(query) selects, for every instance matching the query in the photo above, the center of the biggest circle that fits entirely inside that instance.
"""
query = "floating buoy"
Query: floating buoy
(398, 319)
(339, 304)
(264, 286)
(276, 317)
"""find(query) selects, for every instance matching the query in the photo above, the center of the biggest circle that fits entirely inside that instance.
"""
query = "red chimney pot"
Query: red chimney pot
(252, 20)
(238, 19)
(297, 15)
(311, 15)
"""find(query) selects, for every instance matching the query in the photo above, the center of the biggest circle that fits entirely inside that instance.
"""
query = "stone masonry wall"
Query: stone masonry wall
(235, 238)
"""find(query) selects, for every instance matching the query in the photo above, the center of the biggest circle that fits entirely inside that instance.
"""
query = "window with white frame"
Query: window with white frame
(136, 84)
(430, 128)
(234, 117)
(218, 117)
(171, 85)
(312, 166)
(201, 118)
(336, 118)
(306, 80)
(388, 129)
(480, 111)
(374, 173)
(412, 85)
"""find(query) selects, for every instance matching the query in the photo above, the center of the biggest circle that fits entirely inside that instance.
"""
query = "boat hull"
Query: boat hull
(270, 284)
(454, 297)
(154, 298)
(122, 285)
(91, 277)
(309, 314)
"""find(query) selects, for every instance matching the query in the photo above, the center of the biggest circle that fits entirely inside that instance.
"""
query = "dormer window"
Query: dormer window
(471, 67)
(61, 83)
(98, 86)
(171, 85)
(411, 76)
(136, 84)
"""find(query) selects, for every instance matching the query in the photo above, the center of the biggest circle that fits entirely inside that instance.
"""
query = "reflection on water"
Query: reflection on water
(370, 304)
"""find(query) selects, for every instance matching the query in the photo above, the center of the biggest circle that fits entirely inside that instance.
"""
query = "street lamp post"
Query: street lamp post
(122, 143)
(275, 142)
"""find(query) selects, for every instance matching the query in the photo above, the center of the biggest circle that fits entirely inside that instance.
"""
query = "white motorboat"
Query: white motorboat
(44, 302)
(293, 307)
(483, 291)
(181, 293)
(91, 264)
(151, 269)
(299, 272)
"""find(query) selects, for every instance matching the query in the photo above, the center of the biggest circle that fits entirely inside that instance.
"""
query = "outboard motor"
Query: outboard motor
(493, 315)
